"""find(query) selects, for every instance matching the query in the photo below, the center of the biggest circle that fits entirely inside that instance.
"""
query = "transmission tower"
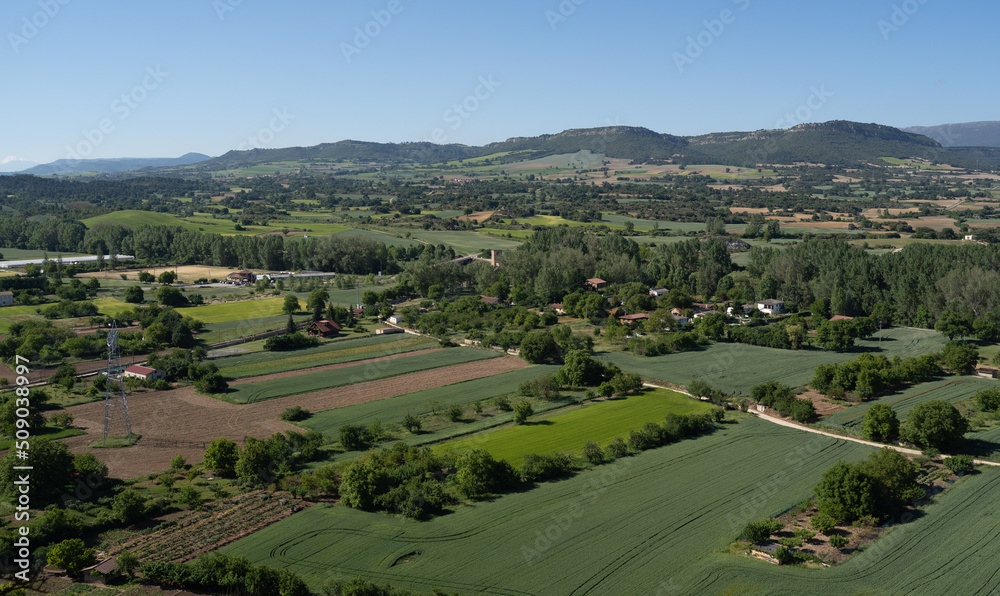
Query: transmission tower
(115, 402)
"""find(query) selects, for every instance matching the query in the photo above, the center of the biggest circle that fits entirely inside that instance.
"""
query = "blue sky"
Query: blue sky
(103, 78)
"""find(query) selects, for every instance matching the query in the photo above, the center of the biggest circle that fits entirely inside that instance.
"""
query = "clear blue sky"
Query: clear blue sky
(226, 66)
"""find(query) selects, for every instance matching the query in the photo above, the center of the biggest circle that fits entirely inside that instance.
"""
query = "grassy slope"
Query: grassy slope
(735, 368)
(600, 422)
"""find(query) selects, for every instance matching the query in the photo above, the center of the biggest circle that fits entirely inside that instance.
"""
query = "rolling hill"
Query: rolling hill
(73, 167)
(965, 134)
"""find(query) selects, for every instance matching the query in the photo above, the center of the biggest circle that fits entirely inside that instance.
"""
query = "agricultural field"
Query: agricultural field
(243, 310)
(236, 329)
(308, 382)
(208, 224)
(649, 524)
(416, 403)
(567, 431)
(735, 368)
(20, 254)
(384, 237)
(337, 351)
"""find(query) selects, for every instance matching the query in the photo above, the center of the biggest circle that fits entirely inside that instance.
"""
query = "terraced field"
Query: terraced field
(308, 382)
(649, 524)
(568, 431)
(345, 350)
(735, 368)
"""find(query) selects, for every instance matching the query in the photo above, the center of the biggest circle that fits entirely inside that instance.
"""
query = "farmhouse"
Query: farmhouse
(680, 319)
(558, 308)
(144, 373)
(771, 306)
(657, 292)
(629, 319)
(242, 277)
(595, 283)
(395, 319)
(388, 330)
(6, 298)
(987, 372)
(323, 328)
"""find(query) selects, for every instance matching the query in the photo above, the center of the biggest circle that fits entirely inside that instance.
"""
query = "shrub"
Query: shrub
(178, 463)
(289, 341)
(823, 523)
(502, 403)
(522, 410)
(354, 437)
(592, 452)
(617, 448)
(761, 530)
(455, 413)
(837, 541)
(477, 407)
(542, 467)
(988, 400)
(958, 463)
(880, 424)
(295, 414)
(412, 423)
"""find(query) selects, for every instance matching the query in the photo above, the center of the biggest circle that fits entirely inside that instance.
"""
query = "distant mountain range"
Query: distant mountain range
(966, 134)
(839, 143)
(13, 164)
(71, 167)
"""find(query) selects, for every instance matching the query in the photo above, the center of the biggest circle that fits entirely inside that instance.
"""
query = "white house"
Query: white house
(395, 319)
(771, 306)
(657, 292)
(6, 298)
(144, 373)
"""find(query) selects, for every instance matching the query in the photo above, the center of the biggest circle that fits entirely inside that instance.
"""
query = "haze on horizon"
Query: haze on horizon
(102, 79)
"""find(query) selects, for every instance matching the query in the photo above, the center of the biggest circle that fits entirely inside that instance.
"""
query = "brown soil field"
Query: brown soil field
(187, 416)
(479, 217)
(874, 213)
(185, 273)
(937, 222)
(848, 180)
(326, 367)
(823, 407)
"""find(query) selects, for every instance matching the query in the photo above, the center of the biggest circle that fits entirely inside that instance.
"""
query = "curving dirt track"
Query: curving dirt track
(187, 416)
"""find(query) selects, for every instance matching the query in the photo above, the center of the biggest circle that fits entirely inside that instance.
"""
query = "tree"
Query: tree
(880, 424)
(959, 358)
(221, 457)
(412, 423)
(988, 400)
(478, 474)
(836, 336)
(580, 370)
(761, 530)
(291, 305)
(455, 413)
(936, 424)
(846, 492)
(71, 555)
(128, 506)
(290, 326)
(538, 347)
(191, 497)
(167, 277)
(897, 479)
(592, 452)
(127, 564)
(90, 469)
(55, 461)
(954, 324)
(822, 522)
(256, 464)
(522, 410)
(354, 437)
(134, 295)
(170, 296)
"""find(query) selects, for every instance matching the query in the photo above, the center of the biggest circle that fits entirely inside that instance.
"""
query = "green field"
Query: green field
(243, 310)
(735, 368)
(649, 524)
(345, 350)
(20, 254)
(394, 409)
(350, 375)
(383, 237)
(207, 223)
(568, 431)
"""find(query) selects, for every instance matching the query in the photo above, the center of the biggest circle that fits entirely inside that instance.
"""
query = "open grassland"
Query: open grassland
(735, 368)
(417, 403)
(304, 383)
(346, 350)
(568, 431)
(649, 524)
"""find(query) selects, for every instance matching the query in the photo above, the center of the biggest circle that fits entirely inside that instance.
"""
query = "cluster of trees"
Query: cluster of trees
(872, 375)
(262, 462)
(785, 335)
(290, 341)
(782, 398)
(227, 574)
(187, 364)
(932, 424)
(876, 488)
